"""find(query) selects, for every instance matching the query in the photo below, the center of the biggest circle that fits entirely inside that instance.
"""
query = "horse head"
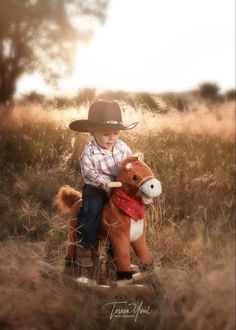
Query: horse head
(136, 178)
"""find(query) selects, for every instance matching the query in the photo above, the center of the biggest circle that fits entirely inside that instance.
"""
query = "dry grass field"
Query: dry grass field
(191, 226)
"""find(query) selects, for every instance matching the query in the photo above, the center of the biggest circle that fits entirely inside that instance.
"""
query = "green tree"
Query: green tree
(41, 35)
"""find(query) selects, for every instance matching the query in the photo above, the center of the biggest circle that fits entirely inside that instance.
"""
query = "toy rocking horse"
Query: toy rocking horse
(123, 221)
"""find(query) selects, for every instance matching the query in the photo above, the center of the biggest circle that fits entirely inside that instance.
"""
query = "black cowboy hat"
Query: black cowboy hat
(102, 113)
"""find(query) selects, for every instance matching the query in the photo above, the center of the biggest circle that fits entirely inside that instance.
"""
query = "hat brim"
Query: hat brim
(84, 125)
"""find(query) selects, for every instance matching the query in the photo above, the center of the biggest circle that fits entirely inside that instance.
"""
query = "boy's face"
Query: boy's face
(106, 137)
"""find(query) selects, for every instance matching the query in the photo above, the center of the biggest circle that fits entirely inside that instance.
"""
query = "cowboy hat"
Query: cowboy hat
(102, 113)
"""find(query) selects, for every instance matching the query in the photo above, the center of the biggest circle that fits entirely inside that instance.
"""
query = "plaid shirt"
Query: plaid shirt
(100, 166)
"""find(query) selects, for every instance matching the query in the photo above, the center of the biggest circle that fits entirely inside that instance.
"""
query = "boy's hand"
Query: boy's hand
(111, 184)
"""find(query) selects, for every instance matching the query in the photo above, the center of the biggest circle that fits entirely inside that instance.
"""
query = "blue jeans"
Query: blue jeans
(89, 217)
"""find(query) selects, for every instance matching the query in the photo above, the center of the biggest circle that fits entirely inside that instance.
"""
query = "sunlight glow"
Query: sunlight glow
(163, 45)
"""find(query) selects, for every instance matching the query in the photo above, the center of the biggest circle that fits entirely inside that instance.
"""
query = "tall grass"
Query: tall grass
(190, 227)
(35, 297)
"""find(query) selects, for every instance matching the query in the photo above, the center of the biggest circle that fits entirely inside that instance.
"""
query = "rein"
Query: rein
(145, 180)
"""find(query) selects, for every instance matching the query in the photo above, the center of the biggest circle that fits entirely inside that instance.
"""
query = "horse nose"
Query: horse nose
(151, 188)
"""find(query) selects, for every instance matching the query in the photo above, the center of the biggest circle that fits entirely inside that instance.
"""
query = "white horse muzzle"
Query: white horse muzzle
(151, 188)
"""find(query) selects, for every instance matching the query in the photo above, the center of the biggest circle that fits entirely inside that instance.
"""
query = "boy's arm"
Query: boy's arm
(91, 175)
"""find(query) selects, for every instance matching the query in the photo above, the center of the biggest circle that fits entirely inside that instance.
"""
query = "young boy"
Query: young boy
(99, 165)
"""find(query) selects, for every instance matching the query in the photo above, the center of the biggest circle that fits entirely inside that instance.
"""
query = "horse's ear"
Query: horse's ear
(139, 155)
(128, 166)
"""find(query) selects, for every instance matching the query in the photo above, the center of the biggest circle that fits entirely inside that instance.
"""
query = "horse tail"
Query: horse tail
(66, 198)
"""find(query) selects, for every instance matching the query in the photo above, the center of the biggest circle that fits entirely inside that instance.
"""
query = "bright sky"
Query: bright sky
(156, 45)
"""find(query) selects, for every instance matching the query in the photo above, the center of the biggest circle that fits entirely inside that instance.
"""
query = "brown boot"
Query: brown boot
(85, 257)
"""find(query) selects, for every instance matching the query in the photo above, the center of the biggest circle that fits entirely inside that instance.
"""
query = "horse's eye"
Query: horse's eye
(135, 177)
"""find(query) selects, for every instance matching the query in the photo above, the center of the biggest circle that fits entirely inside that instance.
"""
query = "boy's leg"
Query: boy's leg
(89, 218)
